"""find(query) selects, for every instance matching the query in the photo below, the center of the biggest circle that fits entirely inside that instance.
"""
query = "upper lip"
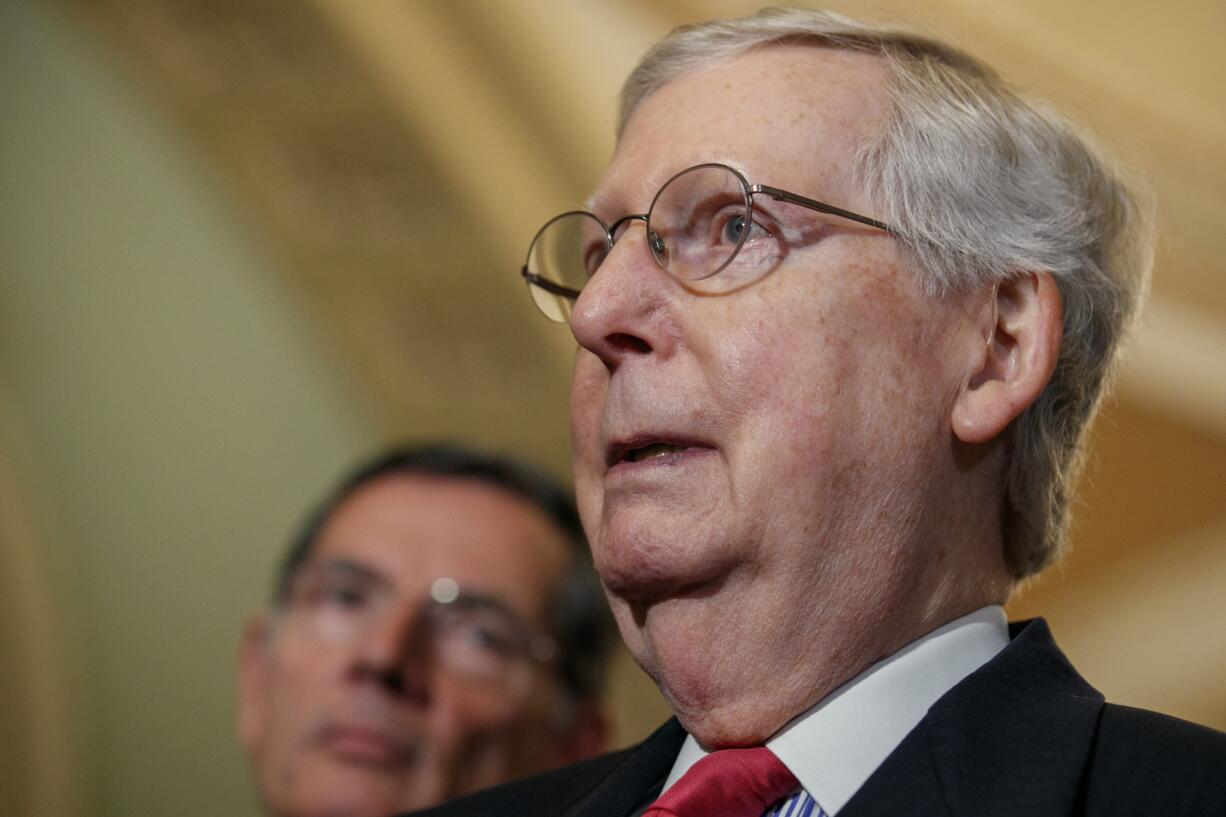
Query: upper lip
(617, 448)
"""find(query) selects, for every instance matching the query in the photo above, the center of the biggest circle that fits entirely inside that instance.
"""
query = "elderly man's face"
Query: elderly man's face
(784, 520)
(348, 704)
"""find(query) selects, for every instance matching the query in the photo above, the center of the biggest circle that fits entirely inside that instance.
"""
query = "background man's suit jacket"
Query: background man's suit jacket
(1022, 735)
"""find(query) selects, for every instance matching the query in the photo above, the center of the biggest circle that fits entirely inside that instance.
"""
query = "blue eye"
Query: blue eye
(658, 247)
(734, 228)
(738, 230)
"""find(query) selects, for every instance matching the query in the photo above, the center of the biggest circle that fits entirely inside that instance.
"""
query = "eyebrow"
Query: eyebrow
(599, 198)
(350, 568)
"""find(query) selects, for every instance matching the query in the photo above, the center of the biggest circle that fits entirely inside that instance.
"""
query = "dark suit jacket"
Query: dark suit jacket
(1023, 735)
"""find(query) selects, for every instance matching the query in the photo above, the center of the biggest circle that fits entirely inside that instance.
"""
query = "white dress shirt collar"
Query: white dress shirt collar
(834, 746)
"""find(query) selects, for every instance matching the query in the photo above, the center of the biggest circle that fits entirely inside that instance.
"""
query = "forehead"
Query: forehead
(415, 529)
(784, 115)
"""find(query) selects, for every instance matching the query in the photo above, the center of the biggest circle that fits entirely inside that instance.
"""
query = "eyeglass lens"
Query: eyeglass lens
(698, 223)
(566, 252)
(475, 636)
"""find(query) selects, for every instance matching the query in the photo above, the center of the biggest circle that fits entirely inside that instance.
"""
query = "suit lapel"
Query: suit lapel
(635, 781)
(612, 785)
(1012, 738)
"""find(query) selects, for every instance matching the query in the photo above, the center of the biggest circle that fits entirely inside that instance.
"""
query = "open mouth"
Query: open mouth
(646, 449)
(650, 452)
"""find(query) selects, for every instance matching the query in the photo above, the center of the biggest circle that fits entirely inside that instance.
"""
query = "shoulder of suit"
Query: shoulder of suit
(1146, 762)
(542, 794)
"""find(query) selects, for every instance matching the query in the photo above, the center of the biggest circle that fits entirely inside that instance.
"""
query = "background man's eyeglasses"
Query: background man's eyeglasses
(471, 635)
(702, 223)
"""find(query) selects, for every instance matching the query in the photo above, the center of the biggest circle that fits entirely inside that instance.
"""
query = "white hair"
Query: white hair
(980, 185)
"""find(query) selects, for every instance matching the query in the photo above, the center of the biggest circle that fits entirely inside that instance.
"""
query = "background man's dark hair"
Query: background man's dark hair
(581, 621)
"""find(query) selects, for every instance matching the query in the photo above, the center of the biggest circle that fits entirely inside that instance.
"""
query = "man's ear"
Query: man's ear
(1022, 330)
(253, 658)
(587, 735)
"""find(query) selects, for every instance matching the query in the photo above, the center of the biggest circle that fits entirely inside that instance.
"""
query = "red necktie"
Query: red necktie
(727, 783)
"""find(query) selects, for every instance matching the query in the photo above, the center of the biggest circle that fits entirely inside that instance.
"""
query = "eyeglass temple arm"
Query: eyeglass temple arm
(548, 286)
(821, 207)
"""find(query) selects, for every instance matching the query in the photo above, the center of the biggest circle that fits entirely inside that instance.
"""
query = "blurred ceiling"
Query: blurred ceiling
(400, 155)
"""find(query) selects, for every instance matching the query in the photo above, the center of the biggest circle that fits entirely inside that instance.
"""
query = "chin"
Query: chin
(333, 804)
(341, 792)
(717, 717)
(644, 560)
(717, 693)
(716, 730)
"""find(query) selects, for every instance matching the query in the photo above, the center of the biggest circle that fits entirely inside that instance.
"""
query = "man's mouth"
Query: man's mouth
(642, 449)
(650, 452)
(368, 746)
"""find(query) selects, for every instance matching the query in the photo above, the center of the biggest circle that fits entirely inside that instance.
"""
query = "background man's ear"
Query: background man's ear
(1023, 344)
(252, 679)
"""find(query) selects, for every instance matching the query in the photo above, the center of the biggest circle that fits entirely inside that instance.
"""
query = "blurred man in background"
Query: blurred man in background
(436, 629)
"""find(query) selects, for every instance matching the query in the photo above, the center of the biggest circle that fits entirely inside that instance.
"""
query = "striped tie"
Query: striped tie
(732, 783)
(800, 804)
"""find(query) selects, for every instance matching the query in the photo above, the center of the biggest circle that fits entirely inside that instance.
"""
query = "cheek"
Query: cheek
(486, 735)
(588, 395)
(301, 684)
(823, 376)
(459, 711)
(589, 384)
(779, 368)
(294, 700)
(865, 339)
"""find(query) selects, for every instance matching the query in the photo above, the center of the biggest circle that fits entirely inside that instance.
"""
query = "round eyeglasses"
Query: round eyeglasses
(701, 224)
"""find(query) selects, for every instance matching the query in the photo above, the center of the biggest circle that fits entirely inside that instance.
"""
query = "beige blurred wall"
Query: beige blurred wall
(171, 409)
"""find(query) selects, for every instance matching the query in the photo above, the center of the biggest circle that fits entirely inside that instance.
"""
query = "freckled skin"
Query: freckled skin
(812, 542)
(411, 531)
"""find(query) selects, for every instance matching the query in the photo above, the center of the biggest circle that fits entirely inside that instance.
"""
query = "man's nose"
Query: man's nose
(394, 652)
(627, 309)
